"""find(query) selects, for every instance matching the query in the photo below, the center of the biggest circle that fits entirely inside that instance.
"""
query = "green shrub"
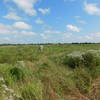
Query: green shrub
(14, 75)
(4, 71)
(72, 62)
(17, 73)
(89, 60)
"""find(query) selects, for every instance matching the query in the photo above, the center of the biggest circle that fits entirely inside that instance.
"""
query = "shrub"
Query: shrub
(72, 62)
(89, 60)
(17, 73)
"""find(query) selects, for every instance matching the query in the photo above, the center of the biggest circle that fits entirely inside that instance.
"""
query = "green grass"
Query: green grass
(55, 73)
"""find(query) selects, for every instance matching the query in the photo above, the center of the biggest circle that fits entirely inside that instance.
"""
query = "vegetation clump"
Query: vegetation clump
(72, 62)
(17, 73)
(87, 60)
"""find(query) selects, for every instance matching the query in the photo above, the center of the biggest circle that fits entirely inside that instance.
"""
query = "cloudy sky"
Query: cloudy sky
(49, 21)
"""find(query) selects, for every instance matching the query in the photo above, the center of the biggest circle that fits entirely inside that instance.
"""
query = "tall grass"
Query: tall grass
(51, 74)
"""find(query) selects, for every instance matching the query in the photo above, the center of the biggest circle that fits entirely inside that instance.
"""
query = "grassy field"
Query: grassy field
(58, 72)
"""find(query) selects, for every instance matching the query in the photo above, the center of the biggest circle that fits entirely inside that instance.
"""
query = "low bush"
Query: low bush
(14, 74)
(89, 60)
(86, 60)
(17, 73)
(72, 62)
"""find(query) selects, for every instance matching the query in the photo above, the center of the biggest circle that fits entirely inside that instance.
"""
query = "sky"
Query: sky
(49, 21)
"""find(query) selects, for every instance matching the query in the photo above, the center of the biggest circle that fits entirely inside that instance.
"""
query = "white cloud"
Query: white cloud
(28, 33)
(3, 26)
(77, 17)
(52, 31)
(13, 30)
(44, 11)
(39, 21)
(5, 1)
(90, 37)
(73, 28)
(92, 9)
(15, 26)
(5, 29)
(13, 16)
(5, 39)
(12, 34)
(80, 20)
(27, 6)
(45, 36)
(2, 31)
(93, 36)
(97, 34)
(22, 25)
(86, 38)
(66, 35)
